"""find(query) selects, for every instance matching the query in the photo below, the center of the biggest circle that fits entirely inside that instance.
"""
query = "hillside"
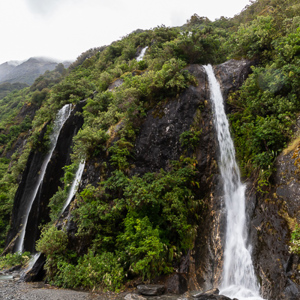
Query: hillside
(150, 205)
(27, 71)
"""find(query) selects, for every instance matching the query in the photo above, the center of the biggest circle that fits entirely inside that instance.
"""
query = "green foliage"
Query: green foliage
(147, 221)
(53, 243)
(190, 139)
(90, 142)
(295, 240)
(119, 153)
(92, 272)
(144, 251)
(6, 88)
(255, 39)
(15, 259)
(56, 203)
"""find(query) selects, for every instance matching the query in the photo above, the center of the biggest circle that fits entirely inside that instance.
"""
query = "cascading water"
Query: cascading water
(75, 184)
(141, 56)
(61, 117)
(238, 273)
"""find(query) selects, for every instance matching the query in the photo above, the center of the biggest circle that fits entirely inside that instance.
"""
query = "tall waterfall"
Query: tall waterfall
(238, 273)
(75, 184)
(62, 115)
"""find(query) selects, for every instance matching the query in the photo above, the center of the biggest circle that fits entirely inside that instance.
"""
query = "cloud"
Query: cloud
(44, 7)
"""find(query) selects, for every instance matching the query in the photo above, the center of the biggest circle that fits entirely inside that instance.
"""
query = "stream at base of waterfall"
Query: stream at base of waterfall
(239, 280)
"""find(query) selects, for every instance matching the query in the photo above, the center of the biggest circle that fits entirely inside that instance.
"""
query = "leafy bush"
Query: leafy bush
(15, 259)
(92, 272)
(53, 244)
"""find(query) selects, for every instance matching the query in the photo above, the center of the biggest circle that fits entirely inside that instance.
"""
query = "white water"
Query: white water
(31, 263)
(75, 185)
(239, 279)
(141, 56)
(61, 117)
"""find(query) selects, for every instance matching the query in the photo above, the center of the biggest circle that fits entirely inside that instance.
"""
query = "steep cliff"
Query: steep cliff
(274, 217)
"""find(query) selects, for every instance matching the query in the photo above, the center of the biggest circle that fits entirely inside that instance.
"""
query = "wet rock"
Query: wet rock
(37, 272)
(276, 267)
(158, 141)
(15, 268)
(232, 73)
(207, 293)
(177, 284)
(151, 289)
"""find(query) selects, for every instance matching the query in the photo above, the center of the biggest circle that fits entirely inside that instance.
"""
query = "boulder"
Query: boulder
(151, 289)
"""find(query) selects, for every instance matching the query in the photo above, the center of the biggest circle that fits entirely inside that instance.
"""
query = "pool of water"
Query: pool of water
(6, 277)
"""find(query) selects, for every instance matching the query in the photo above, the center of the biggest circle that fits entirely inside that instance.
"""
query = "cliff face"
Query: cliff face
(272, 222)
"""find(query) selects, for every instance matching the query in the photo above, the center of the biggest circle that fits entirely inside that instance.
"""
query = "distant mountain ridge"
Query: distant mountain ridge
(27, 71)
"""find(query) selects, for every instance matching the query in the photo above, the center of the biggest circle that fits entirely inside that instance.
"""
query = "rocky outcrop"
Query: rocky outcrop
(232, 74)
(274, 217)
(210, 295)
(151, 289)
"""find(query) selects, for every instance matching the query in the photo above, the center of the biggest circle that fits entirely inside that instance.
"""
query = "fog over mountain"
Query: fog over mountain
(27, 71)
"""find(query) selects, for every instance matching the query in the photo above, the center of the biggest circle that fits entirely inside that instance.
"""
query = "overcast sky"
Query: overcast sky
(63, 29)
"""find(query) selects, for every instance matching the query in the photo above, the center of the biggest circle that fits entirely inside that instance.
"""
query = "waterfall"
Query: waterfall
(141, 56)
(31, 263)
(239, 279)
(75, 184)
(62, 115)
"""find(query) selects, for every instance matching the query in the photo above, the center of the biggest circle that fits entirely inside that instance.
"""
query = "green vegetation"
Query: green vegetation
(6, 88)
(295, 241)
(15, 259)
(138, 226)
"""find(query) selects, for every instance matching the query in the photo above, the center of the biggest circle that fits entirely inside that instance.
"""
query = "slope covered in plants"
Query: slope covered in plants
(131, 223)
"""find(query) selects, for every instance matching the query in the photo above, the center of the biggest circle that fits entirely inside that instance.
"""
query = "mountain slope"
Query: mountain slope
(27, 71)
(150, 201)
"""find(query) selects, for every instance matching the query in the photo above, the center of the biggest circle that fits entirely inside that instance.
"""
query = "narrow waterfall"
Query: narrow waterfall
(141, 56)
(62, 115)
(239, 279)
(75, 184)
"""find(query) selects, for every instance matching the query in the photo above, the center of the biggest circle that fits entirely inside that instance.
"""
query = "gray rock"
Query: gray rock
(210, 292)
(151, 289)
(115, 84)
(177, 284)
(134, 297)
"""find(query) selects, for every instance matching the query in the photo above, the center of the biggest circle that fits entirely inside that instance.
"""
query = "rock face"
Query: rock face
(158, 142)
(232, 74)
(274, 213)
(40, 212)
